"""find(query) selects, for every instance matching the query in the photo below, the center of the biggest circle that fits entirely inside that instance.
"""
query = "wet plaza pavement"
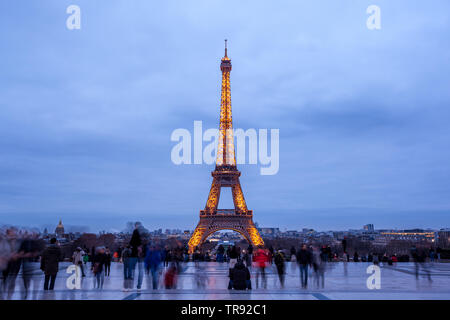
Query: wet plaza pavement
(209, 281)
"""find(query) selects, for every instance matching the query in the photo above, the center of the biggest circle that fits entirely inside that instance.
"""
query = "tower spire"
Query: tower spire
(226, 48)
(225, 154)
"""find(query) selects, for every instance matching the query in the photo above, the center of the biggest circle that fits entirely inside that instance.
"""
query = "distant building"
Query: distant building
(269, 231)
(292, 233)
(413, 235)
(368, 227)
(444, 237)
(59, 231)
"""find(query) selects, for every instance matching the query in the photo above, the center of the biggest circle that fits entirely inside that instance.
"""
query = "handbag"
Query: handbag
(96, 268)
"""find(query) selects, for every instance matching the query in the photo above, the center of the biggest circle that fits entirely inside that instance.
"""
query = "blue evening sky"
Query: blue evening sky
(86, 115)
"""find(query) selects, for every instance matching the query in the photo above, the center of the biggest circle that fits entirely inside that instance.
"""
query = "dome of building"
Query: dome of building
(59, 228)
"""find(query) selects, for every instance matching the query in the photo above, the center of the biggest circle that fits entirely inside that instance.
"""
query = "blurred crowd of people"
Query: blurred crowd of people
(18, 250)
(21, 250)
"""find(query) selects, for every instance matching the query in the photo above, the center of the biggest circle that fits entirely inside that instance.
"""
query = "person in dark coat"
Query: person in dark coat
(419, 262)
(98, 267)
(250, 249)
(304, 259)
(135, 241)
(29, 249)
(108, 262)
(293, 252)
(344, 244)
(239, 277)
(279, 262)
(127, 273)
(167, 257)
(271, 254)
(49, 263)
(12, 261)
(227, 257)
(220, 253)
(153, 259)
(233, 255)
(135, 244)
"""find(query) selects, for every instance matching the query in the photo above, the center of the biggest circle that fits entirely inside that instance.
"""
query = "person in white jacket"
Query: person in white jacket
(77, 259)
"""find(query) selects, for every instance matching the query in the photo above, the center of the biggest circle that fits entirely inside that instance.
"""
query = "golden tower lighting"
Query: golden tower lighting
(225, 175)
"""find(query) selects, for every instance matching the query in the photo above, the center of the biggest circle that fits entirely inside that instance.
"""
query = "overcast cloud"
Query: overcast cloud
(86, 115)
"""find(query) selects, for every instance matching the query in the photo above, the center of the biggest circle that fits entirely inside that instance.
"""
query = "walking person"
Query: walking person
(432, 255)
(108, 261)
(50, 263)
(233, 254)
(136, 250)
(293, 252)
(293, 261)
(29, 250)
(376, 260)
(127, 273)
(250, 253)
(98, 267)
(438, 253)
(77, 259)
(270, 254)
(304, 259)
(170, 277)
(200, 276)
(196, 256)
(167, 257)
(420, 262)
(85, 257)
(345, 261)
(281, 266)
(142, 251)
(227, 256)
(153, 261)
(12, 262)
(318, 262)
(247, 258)
(5, 252)
(91, 256)
(261, 259)
(220, 253)
(344, 244)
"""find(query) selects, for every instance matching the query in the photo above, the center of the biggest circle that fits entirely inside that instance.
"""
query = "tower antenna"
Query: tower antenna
(226, 48)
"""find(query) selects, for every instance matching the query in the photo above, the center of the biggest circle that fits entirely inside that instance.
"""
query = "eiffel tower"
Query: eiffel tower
(212, 219)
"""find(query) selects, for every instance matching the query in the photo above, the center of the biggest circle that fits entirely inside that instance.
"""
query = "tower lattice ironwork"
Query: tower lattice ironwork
(212, 219)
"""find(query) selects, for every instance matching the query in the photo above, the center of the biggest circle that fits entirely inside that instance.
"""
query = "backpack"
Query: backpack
(239, 278)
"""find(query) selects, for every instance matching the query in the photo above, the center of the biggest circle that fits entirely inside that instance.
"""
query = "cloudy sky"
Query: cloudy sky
(86, 115)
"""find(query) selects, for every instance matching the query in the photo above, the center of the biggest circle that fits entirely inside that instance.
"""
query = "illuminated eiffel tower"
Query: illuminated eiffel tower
(212, 219)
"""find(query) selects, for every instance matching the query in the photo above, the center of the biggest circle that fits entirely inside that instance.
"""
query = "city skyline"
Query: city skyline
(79, 228)
(86, 115)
